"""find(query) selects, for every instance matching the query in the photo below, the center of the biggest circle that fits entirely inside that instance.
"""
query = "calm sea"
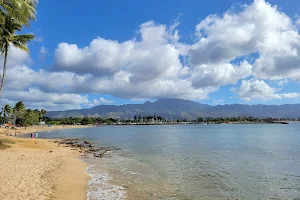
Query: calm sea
(194, 161)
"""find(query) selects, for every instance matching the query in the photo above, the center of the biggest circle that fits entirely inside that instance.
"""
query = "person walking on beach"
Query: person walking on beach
(36, 134)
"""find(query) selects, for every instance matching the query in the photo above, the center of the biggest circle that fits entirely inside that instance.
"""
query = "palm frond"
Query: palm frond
(23, 39)
(21, 10)
(8, 37)
(20, 41)
(20, 46)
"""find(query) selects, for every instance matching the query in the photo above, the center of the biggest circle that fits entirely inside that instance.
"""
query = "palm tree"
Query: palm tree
(43, 112)
(17, 110)
(6, 111)
(20, 107)
(8, 37)
(21, 10)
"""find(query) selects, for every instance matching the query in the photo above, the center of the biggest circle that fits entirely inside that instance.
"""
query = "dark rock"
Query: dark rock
(86, 147)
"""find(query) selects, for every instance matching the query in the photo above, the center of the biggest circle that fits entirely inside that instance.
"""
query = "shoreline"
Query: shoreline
(40, 169)
(37, 128)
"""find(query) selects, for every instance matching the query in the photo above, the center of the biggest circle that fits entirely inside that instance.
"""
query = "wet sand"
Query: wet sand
(39, 169)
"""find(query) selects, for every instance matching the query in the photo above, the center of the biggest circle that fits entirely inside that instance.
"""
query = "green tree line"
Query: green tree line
(19, 115)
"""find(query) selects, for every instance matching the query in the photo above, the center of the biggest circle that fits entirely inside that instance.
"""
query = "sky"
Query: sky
(120, 52)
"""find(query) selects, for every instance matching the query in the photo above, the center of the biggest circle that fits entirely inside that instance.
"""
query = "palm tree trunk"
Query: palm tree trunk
(4, 69)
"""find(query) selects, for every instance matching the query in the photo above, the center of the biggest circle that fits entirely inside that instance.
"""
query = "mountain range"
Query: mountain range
(182, 109)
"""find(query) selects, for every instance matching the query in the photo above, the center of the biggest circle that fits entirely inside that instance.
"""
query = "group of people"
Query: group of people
(36, 135)
(32, 135)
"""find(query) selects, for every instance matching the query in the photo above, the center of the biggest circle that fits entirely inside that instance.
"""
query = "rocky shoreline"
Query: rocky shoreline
(85, 147)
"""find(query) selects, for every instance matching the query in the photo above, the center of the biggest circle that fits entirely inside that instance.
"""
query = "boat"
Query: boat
(285, 123)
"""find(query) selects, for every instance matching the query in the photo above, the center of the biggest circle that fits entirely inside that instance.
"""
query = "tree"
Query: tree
(19, 106)
(8, 37)
(159, 118)
(21, 10)
(18, 110)
(29, 117)
(43, 112)
(6, 111)
(87, 121)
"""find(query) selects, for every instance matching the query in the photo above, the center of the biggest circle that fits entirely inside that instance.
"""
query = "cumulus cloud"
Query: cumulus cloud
(16, 57)
(260, 90)
(22, 77)
(34, 96)
(257, 41)
(259, 28)
(149, 58)
(99, 101)
(219, 74)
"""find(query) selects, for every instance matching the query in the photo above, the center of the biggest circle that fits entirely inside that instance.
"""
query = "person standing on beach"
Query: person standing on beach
(36, 134)
(31, 135)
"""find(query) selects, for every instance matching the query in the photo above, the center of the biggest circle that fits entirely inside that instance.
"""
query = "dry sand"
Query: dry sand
(39, 169)
(33, 129)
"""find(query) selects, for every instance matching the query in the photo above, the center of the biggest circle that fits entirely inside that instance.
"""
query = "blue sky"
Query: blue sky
(116, 52)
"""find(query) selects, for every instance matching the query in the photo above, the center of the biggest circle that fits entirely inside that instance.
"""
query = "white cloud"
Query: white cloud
(219, 74)
(49, 101)
(99, 101)
(259, 28)
(260, 90)
(35, 98)
(38, 39)
(22, 77)
(156, 64)
(218, 102)
(297, 79)
(152, 57)
(282, 82)
(16, 57)
(43, 51)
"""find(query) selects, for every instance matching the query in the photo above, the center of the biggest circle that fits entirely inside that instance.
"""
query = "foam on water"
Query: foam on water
(100, 186)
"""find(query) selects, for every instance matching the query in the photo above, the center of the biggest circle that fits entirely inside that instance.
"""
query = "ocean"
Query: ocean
(193, 162)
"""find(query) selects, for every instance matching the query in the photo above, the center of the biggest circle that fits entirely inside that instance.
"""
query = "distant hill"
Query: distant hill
(182, 109)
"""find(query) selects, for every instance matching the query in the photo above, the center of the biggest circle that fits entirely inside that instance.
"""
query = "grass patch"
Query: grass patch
(4, 142)
(7, 141)
(2, 145)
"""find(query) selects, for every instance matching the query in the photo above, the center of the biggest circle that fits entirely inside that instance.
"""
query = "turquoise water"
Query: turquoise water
(260, 161)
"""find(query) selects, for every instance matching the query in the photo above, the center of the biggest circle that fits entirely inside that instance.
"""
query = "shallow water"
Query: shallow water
(260, 161)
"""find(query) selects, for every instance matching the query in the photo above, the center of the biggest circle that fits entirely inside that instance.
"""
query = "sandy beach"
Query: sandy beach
(33, 129)
(39, 169)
